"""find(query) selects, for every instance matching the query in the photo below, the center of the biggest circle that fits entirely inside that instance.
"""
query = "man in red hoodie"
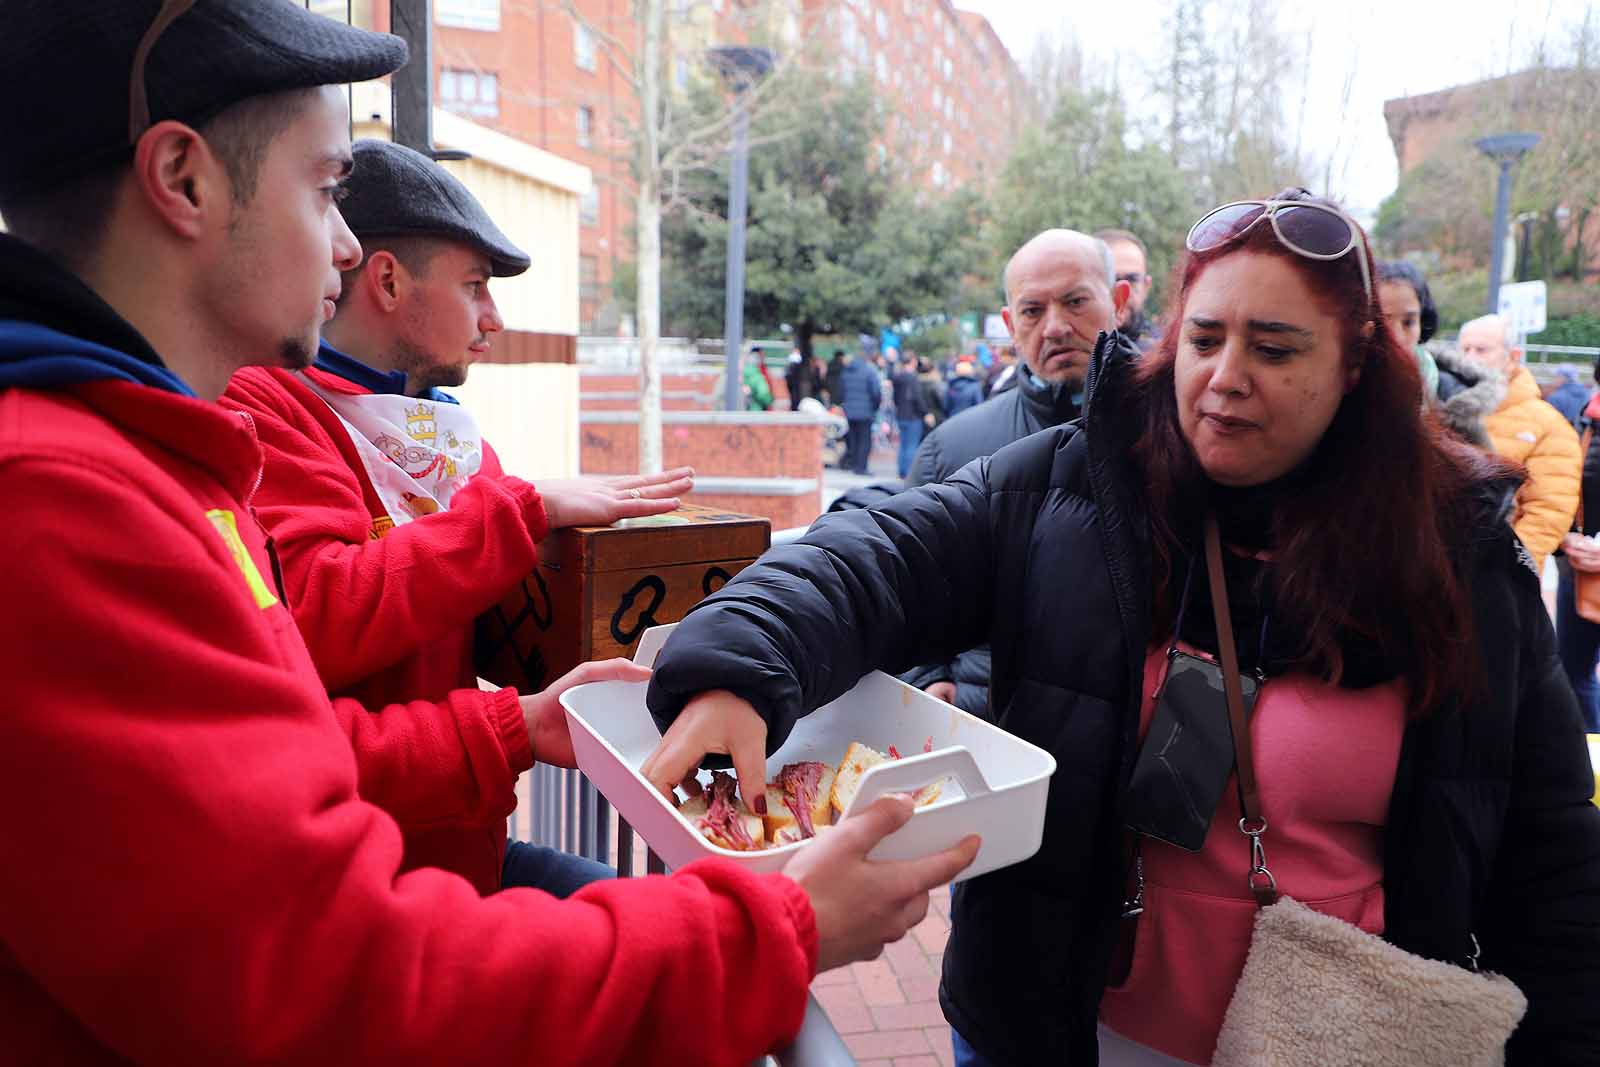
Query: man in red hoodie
(396, 525)
(170, 192)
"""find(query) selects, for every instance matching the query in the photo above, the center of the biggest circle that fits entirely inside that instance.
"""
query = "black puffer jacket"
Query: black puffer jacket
(982, 431)
(1043, 551)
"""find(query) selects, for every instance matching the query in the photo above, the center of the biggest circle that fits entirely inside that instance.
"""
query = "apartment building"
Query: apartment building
(956, 95)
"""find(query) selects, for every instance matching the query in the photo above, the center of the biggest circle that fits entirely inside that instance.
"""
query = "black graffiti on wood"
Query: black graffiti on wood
(714, 579)
(647, 614)
(530, 604)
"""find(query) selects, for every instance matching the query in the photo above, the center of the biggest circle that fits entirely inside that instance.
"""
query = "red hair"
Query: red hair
(1362, 541)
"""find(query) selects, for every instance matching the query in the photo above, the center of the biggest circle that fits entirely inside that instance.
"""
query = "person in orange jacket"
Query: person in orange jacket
(1527, 430)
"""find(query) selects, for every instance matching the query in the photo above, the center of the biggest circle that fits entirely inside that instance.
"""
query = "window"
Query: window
(947, 144)
(586, 127)
(468, 14)
(680, 74)
(881, 62)
(583, 46)
(938, 175)
(589, 207)
(469, 92)
(938, 99)
(883, 23)
(949, 69)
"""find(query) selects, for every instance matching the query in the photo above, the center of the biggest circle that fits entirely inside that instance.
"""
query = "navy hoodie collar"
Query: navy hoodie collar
(55, 331)
(352, 370)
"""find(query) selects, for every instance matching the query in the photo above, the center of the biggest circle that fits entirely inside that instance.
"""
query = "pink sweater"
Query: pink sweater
(1325, 761)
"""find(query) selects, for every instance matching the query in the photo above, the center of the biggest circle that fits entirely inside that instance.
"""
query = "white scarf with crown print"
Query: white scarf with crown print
(417, 453)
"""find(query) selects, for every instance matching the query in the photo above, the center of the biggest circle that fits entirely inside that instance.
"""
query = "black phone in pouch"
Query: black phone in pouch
(1187, 754)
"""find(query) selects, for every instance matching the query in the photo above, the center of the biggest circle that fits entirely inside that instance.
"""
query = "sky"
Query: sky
(1393, 47)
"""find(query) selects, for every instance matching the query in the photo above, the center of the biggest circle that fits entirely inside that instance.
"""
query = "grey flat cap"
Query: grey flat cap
(395, 191)
(66, 73)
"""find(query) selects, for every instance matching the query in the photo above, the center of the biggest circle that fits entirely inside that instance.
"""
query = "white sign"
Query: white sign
(994, 328)
(1522, 303)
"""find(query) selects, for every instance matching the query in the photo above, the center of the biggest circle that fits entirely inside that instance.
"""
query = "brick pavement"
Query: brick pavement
(888, 1009)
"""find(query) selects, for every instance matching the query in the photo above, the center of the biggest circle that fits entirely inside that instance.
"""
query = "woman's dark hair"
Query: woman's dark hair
(1362, 538)
(1398, 270)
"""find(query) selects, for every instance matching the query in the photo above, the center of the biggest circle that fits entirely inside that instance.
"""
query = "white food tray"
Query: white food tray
(998, 786)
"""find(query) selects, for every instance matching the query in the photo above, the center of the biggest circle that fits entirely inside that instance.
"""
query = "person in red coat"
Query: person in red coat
(396, 524)
(169, 197)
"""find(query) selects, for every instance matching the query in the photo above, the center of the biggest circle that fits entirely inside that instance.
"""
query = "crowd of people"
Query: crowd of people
(257, 802)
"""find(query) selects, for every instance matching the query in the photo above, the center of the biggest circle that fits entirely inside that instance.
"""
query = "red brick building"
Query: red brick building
(956, 95)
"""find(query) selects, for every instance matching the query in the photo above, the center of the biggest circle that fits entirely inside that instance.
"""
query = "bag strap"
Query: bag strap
(1262, 885)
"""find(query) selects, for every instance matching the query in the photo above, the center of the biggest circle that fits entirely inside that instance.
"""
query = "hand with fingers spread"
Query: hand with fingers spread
(714, 721)
(860, 904)
(602, 501)
(547, 721)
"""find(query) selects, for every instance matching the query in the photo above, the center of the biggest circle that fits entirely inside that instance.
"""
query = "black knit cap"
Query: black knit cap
(66, 67)
(395, 191)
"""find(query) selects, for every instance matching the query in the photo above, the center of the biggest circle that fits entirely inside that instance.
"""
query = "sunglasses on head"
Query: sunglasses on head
(1311, 230)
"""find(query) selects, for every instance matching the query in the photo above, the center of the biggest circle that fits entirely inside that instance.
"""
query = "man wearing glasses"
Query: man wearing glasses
(1130, 260)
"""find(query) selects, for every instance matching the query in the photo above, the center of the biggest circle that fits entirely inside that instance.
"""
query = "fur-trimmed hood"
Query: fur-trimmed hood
(1468, 392)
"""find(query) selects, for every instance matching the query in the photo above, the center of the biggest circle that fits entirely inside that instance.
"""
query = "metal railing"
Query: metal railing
(567, 812)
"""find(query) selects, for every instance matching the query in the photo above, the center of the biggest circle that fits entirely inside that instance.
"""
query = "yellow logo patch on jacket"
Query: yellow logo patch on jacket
(228, 527)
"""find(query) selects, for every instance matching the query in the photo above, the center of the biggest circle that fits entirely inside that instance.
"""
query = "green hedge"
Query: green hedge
(1580, 329)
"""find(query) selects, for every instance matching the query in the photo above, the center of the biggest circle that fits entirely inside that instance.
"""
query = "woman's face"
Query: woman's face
(1260, 371)
(1402, 311)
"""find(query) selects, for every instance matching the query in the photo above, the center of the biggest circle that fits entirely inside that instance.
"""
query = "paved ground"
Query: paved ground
(888, 1009)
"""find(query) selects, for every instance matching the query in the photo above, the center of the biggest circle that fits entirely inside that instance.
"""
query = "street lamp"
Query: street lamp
(741, 68)
(1505, 149)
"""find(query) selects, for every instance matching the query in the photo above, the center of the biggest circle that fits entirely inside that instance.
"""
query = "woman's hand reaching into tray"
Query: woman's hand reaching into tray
(714, 721)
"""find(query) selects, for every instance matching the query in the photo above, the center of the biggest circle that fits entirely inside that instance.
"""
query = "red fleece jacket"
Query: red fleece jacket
(190, 875)
(391, 618)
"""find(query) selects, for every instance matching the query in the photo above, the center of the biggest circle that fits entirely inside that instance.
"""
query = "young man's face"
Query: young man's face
(276, 269)
(446, 318)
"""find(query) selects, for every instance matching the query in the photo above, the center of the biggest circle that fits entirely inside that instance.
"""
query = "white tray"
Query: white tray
(998, 792)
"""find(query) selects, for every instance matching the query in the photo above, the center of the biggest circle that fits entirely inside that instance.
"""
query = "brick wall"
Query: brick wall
(753, 462)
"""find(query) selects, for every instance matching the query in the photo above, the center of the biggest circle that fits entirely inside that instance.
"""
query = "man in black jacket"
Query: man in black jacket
(1060, 295)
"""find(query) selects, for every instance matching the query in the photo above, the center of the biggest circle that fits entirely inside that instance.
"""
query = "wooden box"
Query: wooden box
(598, 588)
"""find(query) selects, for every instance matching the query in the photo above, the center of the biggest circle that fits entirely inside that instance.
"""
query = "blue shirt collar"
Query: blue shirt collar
(352, 370)
(1042, 386)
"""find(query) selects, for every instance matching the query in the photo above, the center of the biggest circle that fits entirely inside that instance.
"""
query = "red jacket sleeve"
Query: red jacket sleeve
(235, 902)
(363, 605)
(423, 767)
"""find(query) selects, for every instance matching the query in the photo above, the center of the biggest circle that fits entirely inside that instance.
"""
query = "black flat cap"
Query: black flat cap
(395, 191)
(66, 71)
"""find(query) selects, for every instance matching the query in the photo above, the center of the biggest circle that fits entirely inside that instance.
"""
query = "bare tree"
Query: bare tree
(1055, 65)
